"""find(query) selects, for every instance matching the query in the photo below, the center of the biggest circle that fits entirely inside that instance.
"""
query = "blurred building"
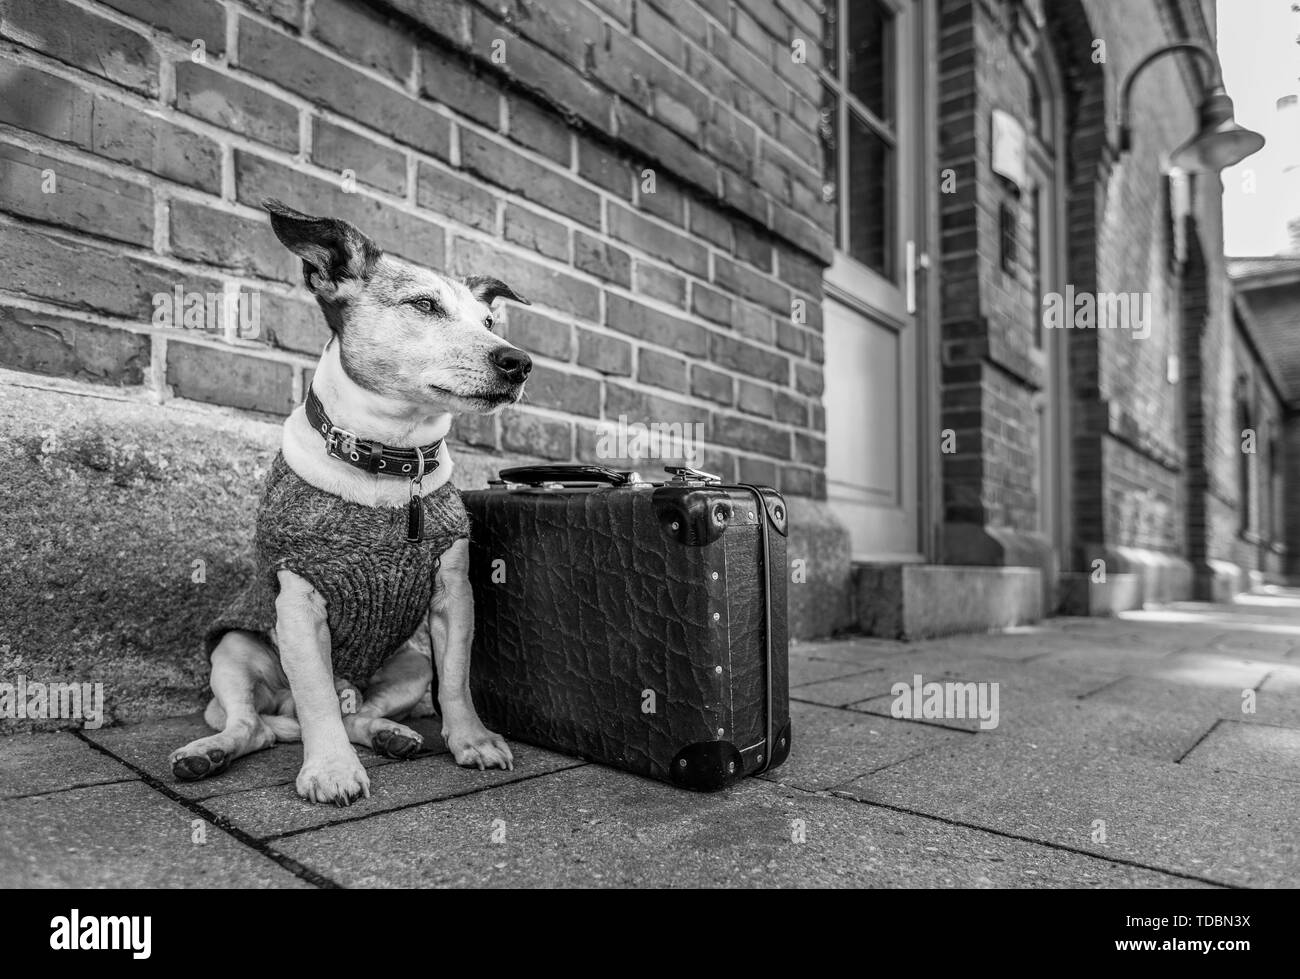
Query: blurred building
(824, 237)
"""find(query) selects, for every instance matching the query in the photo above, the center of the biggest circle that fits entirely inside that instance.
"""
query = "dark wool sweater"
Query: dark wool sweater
(376, 586)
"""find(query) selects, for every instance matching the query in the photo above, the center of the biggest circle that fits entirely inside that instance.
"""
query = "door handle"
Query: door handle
(915, 260)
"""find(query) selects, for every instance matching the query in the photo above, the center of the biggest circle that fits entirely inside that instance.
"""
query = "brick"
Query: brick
(563, 390)
(540, 129)
(366, 37)
(373, 164)
(753, 323)
(82, 275)
(753, 247)
(536, 282)
(79, 38)
(809, 449)
(539, 70)
(293, 324)
(660, 33)
(504, 167)
(286, 11)
(656, 240)
(661, 284)
(454, 197)
(392, 228)
(748, 434)
(678, 155)
(221, 377)
(642, 406)
(534, 435)
(446, 79)
(665, 201)
(473, 429)
(328, 82)
(602, 260)
(799, 272)
(542, 235)
(710, 225)
(808, 380)
(227, 102)
(757, 472)
(84, 200)
(188, 20)
(62, 347)
(712, 385)
(644, 323)
(604, 353)
(46, 104)
(755, 399)
(710, 304)
(620, 10)
(604, 169)
(796, 481)
(789, 337)
(790, 409)
(538, 334)
(689, 20)
(746, 358)
(661, 370)
(160, 147)
(230, 241)
(745, 282)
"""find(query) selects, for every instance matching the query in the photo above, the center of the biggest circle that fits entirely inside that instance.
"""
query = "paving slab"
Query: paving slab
(149, 744)
(861, 651)
(592, 827)
(807, 670)
(1229, 828)
(119, 836)
(36, 763)
(1256, 749)
(1203, 704)
(1088, 723)
(269, 812)
(835, 746)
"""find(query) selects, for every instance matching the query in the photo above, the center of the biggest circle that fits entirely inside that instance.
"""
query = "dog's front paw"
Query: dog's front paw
(339, 779)
(474, 745)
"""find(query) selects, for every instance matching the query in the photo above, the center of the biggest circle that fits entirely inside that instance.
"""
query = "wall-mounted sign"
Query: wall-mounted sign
(1009, 147)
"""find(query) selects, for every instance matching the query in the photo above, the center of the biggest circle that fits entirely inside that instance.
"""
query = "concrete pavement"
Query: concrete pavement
(1158, 749)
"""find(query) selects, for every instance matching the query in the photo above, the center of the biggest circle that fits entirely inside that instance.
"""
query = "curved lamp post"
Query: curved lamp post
(1220, 142)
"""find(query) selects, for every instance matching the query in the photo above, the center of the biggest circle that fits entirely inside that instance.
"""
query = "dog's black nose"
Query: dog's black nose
(512, 362)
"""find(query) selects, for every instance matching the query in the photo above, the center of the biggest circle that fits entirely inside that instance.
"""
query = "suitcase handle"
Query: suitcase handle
(532, 475)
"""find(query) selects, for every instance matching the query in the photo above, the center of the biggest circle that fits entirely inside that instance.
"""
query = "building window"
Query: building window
(859, 130)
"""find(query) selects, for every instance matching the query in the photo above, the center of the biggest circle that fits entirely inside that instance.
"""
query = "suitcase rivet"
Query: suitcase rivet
(731, 767)
(717, 616)
(715, 576)
(676, 525)
(719, 514)
(781, 742)
(717, 669)
(760, 759)
(751, 514)
(682, 763)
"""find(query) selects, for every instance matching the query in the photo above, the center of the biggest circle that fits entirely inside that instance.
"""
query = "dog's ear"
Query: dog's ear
(333, 252)
(486, 289)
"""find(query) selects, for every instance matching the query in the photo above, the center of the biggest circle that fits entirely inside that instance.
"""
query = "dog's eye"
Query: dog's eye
(487, 321)
(423, 304)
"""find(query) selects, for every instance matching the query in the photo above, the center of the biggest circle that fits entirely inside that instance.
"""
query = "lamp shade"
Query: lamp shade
(1220, 142)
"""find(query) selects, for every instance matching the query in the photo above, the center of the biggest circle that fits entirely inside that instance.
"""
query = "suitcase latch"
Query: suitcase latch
(685, 475)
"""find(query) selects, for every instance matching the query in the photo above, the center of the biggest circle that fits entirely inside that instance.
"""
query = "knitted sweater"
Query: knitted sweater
(376, 586)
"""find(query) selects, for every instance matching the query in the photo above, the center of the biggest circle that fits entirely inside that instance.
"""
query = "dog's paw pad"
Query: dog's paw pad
(394, 744)
(190, 768)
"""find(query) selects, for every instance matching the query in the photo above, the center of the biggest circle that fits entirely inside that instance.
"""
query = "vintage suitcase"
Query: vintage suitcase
(638, 625)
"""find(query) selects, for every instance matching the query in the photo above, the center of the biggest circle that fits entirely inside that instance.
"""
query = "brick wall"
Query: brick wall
(647, 173)
(1132, 421)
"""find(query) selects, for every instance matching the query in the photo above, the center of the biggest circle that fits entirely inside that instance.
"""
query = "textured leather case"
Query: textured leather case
(641, 626)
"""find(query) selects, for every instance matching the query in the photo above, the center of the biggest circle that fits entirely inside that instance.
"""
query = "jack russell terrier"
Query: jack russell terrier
(362, 546)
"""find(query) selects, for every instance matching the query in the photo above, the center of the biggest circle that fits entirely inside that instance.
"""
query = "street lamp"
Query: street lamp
(1220, 142)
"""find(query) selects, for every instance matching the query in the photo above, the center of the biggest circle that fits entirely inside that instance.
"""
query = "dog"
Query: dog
(361, 588)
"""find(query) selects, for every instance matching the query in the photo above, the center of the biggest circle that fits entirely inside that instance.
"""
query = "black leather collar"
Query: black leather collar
(366, 454)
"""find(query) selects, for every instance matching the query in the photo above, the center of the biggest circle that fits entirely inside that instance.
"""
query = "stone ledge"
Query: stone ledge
(915, 601)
